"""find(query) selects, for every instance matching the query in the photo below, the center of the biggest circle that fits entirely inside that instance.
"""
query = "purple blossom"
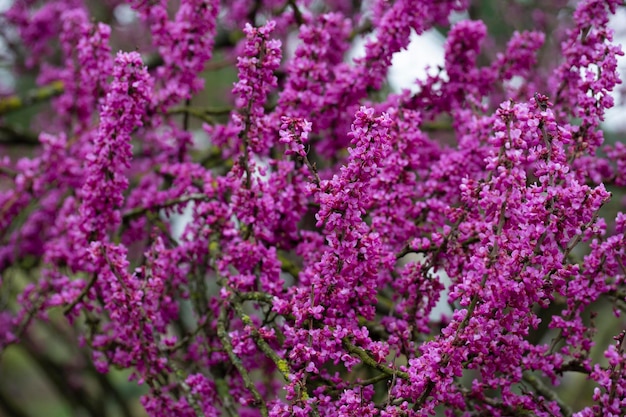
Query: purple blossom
(326, 220)
(122, 112)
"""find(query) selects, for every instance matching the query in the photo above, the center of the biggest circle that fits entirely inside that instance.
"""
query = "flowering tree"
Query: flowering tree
(324, 209)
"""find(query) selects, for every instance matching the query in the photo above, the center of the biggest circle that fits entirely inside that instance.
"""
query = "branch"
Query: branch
(214, 159)
(201, 111)
(288, 266)
(14, 103)
(15, 137)
(573, 366)
(192, 399)
(617, 371)
(366, 27)
(236, 361)
(82, 294)
(297, 14)
(138, 211)
(547, 393)
(369, 361)
(281, 364)
(313, 169)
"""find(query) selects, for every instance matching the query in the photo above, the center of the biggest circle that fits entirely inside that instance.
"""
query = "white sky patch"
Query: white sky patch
(422, 57)
(615, 118)
(178, 222)
(125, 14)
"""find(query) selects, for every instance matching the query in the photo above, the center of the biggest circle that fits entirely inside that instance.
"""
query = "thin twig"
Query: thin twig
(82, 294)
(138, 211)
(546, 392)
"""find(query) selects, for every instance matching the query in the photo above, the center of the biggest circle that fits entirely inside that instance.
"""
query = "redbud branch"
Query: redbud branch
(228, 347)
(621, 265)
(223, 391)
(139, 211)
(199, 114)
(243, 159)
(569, 248)
(473, 303)
(297, 14)
(281, 364)
(573, 366)
(37, 95)
(546, 392)
(27, 320)
(186, 116)
(371, 362)
(82, 294)
(617, 370)
(374, 380)
(510, 411)
(201, 111)
(214, 159)
(19, 138)
(441, 126)
(288, 266)
(313, 168)
(619, 295)
(620, 305)
(447, 239)
(158, 222)
(23, 214)
(407, 249)
(375, 329)
(256, 296)
(366, 27)
(187, 338)
(191, 398)
(145, 317)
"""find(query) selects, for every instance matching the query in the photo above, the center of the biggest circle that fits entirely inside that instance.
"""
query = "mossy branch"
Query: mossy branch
(222, 334)
(16, 102)
(281, 364)
(371, 362)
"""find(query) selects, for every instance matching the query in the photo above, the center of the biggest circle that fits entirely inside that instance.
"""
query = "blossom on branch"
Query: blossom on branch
(304, 241)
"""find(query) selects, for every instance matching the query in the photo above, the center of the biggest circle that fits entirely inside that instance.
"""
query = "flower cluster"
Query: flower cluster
(289, 254)
(105, 177)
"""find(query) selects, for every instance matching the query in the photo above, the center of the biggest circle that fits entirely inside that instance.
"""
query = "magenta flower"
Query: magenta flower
(299, 240)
